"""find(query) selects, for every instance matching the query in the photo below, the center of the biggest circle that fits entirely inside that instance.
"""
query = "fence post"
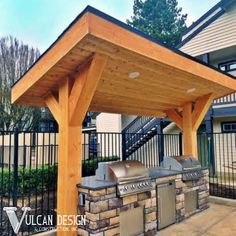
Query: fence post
(160, 140)
(180, 144)
(210, 142)
(123, 146)
(15, 169)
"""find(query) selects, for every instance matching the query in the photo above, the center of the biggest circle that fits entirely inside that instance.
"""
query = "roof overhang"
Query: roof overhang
(168, 79)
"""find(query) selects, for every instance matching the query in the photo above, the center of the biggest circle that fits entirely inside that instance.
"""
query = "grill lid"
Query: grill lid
(128, 171)
(181, 163)
(121, 172)
(189, 163)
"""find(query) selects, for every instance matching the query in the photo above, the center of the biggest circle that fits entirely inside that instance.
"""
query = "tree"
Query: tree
(15, 59)
(162, 19)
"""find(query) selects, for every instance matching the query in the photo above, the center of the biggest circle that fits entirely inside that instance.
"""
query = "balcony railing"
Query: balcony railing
(226, 100)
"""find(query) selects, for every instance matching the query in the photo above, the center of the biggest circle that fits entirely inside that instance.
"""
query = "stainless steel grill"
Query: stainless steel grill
(131, 176)
(190, 167)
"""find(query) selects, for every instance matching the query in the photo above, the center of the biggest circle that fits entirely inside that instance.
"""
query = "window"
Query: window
(228, 127)
(228, 66)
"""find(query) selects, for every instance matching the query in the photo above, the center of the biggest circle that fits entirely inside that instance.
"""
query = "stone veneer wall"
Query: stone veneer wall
(202, 188)
(102, 207)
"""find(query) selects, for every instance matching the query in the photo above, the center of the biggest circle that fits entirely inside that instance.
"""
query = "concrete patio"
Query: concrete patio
(217, 220)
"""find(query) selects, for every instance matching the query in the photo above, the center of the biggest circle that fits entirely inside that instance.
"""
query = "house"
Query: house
(212, 39)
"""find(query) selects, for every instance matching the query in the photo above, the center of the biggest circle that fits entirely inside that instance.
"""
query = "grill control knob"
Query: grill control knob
(125, 188)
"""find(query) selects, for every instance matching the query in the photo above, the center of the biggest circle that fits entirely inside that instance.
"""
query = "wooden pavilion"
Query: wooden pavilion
(100, 64)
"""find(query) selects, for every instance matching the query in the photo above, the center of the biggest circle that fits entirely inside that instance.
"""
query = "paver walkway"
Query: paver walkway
(218, 220)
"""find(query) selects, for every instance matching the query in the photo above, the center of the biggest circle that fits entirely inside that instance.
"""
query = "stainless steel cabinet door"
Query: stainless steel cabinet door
(166, 207)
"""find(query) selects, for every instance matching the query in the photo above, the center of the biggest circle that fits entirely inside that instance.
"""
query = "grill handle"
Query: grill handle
(132, 178)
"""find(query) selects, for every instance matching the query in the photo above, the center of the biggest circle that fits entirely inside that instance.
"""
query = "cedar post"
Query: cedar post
(75, 95)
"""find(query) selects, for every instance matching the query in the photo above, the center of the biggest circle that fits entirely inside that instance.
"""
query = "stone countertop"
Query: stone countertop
(94, 184)
(156, 173)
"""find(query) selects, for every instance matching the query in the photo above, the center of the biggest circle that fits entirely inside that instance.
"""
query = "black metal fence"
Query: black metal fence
(28, 171)
(28, 164)
(218, 152)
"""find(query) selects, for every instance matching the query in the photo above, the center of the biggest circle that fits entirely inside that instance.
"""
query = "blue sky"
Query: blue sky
(39, 22)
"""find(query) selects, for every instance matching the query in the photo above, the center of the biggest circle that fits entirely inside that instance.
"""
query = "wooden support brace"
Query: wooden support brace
(201, 107)
(53, 106)
(190, 120)
(193, 116)
(84, 87)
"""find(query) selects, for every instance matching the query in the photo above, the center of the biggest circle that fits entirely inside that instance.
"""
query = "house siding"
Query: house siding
(107, 122)
(218, 35)
(108, 145)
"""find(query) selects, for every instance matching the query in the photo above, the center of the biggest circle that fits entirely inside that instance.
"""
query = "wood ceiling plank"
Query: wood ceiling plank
(114, 101)
(177, 76)
(135, 89)
(100, 96)
(128, 111)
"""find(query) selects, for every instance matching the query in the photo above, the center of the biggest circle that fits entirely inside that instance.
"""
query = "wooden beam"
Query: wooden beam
(53, 106)
(189, 135)
(84, 89)
(176, 117)
(69, 162)
(201, 107)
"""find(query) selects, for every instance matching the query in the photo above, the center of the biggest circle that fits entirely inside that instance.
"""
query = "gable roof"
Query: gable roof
(209, 17)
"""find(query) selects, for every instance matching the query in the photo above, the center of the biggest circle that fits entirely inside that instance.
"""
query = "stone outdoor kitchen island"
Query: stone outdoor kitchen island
(104, 208)
(88, 68)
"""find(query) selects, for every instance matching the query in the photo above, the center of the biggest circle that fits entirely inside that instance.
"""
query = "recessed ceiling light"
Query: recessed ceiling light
(134, 75)
(191, 90)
